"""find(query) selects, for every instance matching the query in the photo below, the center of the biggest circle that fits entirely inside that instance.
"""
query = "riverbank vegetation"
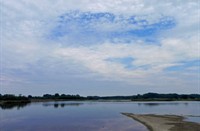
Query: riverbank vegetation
(144, 97)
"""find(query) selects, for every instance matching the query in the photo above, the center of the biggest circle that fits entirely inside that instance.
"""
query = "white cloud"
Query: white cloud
(25, 24)
(156, 58)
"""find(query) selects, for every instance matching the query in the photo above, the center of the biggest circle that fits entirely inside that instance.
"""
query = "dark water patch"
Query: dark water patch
(62, 105)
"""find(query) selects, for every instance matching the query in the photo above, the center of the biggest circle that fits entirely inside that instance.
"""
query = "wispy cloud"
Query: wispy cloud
(94, 28)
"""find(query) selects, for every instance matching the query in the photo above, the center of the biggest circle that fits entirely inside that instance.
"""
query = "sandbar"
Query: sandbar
(164, 122)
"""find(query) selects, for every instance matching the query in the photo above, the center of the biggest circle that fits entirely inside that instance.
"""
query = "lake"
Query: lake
(89, 115)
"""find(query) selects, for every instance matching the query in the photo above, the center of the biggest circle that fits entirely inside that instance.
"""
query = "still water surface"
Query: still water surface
(88, 115)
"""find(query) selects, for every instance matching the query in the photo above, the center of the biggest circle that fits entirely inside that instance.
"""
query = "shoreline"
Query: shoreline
(100, 100)
(164, 122)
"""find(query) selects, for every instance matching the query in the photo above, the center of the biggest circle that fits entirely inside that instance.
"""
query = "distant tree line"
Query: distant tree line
(13, 97)
(173, 96)
(56, 96)
(62, 96)
(149, 96)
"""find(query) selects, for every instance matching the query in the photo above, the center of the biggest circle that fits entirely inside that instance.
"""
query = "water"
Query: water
(89, 116)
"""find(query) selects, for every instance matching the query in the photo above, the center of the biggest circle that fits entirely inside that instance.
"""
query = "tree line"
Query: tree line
(57, 96)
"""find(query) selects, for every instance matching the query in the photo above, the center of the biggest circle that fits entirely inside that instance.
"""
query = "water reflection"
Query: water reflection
(160, 104)
(11, 105)
(62, 105)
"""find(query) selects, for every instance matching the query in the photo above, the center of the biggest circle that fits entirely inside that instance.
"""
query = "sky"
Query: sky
(101, 47)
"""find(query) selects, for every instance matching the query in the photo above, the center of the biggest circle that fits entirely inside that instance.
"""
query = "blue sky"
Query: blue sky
(105, 47)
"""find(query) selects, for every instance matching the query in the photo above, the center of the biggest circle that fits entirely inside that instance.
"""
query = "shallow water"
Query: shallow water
(89, 115)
